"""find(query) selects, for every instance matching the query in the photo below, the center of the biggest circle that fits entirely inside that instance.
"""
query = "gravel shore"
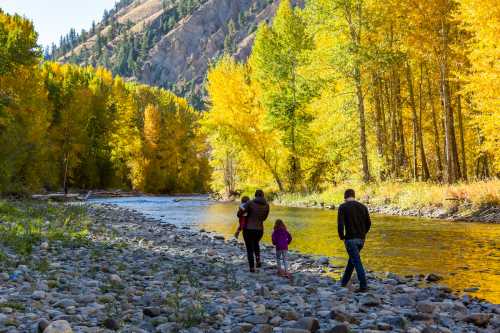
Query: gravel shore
(139, 275)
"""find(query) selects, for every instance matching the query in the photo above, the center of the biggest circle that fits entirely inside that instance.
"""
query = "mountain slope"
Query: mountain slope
(168, 43)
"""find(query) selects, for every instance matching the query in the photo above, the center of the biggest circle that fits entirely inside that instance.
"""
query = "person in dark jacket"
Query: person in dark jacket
(353, 225)
(257, 211)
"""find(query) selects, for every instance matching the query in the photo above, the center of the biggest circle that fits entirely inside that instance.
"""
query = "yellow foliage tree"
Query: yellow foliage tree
(237, 128)
(481, 19)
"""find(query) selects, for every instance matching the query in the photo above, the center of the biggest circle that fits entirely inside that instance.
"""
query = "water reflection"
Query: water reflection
(465, 254)
(470, 252)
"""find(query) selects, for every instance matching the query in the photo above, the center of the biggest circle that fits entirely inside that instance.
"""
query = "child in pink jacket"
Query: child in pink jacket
(281, 238)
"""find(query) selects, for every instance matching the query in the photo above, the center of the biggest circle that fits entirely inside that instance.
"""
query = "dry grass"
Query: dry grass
(407, 195)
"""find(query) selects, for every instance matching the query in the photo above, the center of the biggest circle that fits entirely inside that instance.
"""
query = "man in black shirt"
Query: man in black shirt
(353, 225)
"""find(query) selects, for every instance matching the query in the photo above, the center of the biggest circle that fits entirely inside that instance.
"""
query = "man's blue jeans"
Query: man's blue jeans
(353, 247)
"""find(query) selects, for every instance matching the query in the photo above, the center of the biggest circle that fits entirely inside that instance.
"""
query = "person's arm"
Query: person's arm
(368, 221)
(289, 238)
(242, 209)
(266, 213)
(340, 223)
(273, 237)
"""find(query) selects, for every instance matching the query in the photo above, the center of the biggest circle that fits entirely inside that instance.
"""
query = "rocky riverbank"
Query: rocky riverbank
(137, 275)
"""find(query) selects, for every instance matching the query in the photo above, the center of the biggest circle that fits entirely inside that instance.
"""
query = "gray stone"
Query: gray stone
(115, 279)
(308, 323)
(294, 330)
(38, 295)
(151, 311)
(275, 320)
(404, 301)
(167, 328)
(263, 328)
(426, 307)
(394, 321)
(256, 319)
(59, 326)
(65, 303)
(291, 315)
(433, 277)
(323, 261)
(111, 324)
(339, 329)
(42, 325)
(242, 328)
(369, 300)
(478, 319)
(342, 316)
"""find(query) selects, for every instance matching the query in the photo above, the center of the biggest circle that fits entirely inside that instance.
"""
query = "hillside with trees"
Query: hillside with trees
(167, 43)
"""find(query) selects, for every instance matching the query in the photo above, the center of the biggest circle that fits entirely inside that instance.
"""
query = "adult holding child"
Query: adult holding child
(257, 211)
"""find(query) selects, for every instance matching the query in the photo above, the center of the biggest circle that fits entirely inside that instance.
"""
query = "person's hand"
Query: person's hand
(236, 234)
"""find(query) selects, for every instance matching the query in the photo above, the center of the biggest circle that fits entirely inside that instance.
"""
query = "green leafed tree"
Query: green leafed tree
(276, 60)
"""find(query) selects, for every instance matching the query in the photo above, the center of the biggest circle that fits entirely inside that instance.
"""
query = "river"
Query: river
(466, 255)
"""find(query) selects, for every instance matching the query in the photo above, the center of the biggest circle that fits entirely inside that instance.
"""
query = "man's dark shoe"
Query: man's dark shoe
(252, 270)
(362, 290)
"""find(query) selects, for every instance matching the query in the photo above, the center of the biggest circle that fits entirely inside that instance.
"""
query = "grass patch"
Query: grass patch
(24, 224)
(405, 195)
(13, 305)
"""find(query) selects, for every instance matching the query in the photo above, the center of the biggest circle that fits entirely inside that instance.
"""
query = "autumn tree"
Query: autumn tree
(276, 59)
(237, 129)
(346, 20)
(482, 82)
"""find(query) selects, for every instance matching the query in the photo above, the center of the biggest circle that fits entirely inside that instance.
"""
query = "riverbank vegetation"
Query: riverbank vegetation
(25, 224)
(400, 96)
(66, 126)
(414, 196)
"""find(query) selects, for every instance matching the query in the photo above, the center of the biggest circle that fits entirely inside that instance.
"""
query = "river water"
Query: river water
(467, 255)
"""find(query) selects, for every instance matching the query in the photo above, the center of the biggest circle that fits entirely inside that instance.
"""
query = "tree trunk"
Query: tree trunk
(414, 121)
(398, 109)
(461, 129)
(294, 161)
(378, 116)
(437, 146)
(454, 135)
(452, 172)
(425, 167)
(272, 170)
(65, 178)
(229, 174)
(355, 34)
(362, 124)
(392, 123)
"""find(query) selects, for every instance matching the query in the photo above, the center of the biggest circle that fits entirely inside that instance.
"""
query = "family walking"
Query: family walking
(353, 224)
